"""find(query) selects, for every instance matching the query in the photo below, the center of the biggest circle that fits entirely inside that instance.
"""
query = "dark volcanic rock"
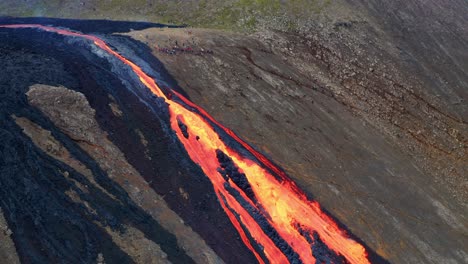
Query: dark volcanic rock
(68, 108)
(71, 192)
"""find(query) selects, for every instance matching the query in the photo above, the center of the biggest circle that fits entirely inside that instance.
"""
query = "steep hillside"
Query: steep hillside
(363, 103)
(350, 134)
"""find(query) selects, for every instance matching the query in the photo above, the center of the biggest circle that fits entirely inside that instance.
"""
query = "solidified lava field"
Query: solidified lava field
(104, 159)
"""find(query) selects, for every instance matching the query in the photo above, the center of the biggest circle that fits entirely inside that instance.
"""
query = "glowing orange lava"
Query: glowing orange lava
(284, 206)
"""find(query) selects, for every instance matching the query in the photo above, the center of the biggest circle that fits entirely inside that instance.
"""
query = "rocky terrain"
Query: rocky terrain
(364, 104)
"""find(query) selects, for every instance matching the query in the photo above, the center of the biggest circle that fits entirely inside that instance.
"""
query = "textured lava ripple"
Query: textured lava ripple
(274, 218)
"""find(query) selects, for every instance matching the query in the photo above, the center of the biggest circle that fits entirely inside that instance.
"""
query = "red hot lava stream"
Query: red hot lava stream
(271, 196)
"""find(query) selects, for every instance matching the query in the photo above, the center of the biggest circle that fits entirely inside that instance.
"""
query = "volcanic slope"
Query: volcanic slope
(368, 170)
(248, 191)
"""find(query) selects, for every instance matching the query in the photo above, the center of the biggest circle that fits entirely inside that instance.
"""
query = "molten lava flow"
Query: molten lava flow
(274, 218)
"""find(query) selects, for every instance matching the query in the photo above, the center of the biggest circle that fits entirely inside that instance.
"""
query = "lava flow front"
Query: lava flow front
(274, 218)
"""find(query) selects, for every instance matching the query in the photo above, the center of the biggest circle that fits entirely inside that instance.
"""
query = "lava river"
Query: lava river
(274, 218)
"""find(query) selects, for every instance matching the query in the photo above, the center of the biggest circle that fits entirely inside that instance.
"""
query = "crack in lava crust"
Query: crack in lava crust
(276, 196)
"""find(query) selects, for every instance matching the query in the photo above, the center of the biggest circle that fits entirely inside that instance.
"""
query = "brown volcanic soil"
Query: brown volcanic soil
(7, 247)
(347, 112)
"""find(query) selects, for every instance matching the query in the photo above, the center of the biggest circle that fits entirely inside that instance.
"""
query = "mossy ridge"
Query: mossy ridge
(234, 15)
